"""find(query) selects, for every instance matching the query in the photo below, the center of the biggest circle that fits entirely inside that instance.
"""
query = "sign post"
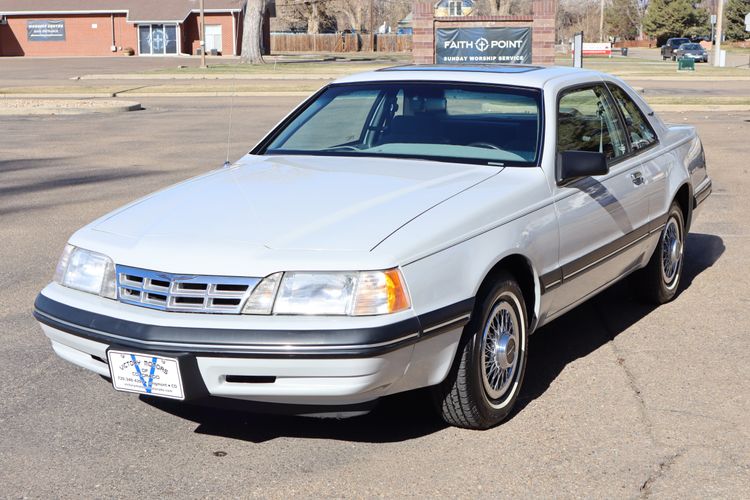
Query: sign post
(578, 50)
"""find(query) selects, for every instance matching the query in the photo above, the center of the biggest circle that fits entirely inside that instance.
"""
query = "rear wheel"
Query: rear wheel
(483, 385)
(661, 277)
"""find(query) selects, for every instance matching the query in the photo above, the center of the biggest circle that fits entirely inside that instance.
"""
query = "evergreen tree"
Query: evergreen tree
(734, 23)
(675, 18)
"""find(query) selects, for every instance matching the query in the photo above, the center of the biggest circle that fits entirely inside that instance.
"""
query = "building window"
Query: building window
(157, 39)
(455, 7)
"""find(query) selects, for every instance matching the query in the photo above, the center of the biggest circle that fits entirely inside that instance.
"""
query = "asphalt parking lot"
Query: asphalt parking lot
(621, 400)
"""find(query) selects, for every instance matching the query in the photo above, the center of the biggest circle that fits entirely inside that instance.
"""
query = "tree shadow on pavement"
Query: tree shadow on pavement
(411, 415)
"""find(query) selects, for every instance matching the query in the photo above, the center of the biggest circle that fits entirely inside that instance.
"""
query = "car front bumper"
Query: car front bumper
(295, 367)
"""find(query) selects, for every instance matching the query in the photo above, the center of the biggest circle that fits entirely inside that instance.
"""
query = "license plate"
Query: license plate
(145, 374)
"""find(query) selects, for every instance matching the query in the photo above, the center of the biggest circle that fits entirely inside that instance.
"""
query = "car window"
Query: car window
(588, 121)
(469, 102)
(463, 122)
(348, 112)
(641, 133)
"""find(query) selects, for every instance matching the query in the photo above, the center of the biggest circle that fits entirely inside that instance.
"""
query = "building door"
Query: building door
(213, 38)
(157, 39)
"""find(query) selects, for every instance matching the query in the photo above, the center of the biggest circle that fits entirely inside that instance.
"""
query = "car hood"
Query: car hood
(293, 202)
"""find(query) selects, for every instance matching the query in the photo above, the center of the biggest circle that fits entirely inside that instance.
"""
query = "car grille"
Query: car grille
(183, 293)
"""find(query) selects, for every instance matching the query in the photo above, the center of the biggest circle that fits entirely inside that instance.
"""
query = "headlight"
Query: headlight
(356, 293)
(86, 271)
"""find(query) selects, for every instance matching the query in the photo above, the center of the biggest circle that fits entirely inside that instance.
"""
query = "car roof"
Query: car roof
(504, 74)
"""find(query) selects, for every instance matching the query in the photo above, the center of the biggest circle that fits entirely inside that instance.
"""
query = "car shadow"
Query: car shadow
(396, 418)
(591, 325)
(410, 415)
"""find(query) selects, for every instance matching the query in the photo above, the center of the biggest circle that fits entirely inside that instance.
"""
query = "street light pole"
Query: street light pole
(203, 36)
(719, 26)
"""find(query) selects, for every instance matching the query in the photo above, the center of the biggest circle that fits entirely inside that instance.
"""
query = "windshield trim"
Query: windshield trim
(262, 148)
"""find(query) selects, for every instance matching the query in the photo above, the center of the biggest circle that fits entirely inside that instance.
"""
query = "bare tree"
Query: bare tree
(343, 14)
(350, 13)
(252, 32)
(311, 12)
(502, 7)
(577, 15)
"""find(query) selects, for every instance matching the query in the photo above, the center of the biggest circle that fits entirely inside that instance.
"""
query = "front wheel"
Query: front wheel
(483, 385)
(661, 277)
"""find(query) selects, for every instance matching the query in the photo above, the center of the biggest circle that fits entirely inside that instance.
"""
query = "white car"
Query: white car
(401, 229)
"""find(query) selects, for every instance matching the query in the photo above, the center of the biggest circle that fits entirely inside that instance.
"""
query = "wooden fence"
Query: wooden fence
(339, 42)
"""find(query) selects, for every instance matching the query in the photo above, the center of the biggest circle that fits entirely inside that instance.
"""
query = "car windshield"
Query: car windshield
(458, 122)
(690, 46)
(679, 41)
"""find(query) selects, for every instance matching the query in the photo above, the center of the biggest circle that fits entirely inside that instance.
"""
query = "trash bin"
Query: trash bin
(624, 51)
(685, 64)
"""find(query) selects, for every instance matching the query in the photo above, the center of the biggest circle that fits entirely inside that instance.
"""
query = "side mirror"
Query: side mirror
(572, 164)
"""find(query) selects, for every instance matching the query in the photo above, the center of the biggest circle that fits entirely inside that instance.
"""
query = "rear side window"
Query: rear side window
(639, 129)
(588, 121)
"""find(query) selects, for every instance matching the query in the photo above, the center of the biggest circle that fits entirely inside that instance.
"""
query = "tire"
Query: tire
(663, 58)
(483, 384)
(674, 58)
(660, 279)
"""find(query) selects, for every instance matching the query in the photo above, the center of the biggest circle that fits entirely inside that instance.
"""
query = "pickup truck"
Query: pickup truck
(668, 50)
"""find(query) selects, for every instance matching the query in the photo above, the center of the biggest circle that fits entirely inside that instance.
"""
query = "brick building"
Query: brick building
(108, 27)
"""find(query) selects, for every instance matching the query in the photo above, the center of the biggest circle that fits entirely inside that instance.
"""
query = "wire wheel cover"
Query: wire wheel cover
(671, 251)
(500, 349)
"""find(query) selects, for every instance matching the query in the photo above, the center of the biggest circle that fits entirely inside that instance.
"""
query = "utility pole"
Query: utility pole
(719, 34)
(601, 21)
(203, 36)
(372, 29)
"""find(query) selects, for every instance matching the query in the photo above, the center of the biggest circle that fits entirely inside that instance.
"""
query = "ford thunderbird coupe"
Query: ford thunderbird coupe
(401, 229)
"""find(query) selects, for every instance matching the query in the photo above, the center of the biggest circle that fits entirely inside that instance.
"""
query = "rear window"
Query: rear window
(676, 42)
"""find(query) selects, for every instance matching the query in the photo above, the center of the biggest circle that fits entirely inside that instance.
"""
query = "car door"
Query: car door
(601, 218)
(643, 140)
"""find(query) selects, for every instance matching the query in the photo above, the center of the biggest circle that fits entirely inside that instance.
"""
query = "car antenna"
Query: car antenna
(227, 163)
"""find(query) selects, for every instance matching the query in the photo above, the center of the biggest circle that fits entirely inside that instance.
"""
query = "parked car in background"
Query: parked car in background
(401, 229)
(669, 49)
(692, 51)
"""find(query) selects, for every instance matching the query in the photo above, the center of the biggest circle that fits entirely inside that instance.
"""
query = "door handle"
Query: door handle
(637, 178)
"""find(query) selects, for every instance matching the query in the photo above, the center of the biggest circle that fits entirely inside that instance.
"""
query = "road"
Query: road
(621, 400)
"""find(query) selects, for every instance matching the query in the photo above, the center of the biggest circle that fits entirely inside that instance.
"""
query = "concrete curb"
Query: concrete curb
(31, 95)
(221, 76)
(708, 108)
(95, 107)
(216, 94)
(686, 78)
